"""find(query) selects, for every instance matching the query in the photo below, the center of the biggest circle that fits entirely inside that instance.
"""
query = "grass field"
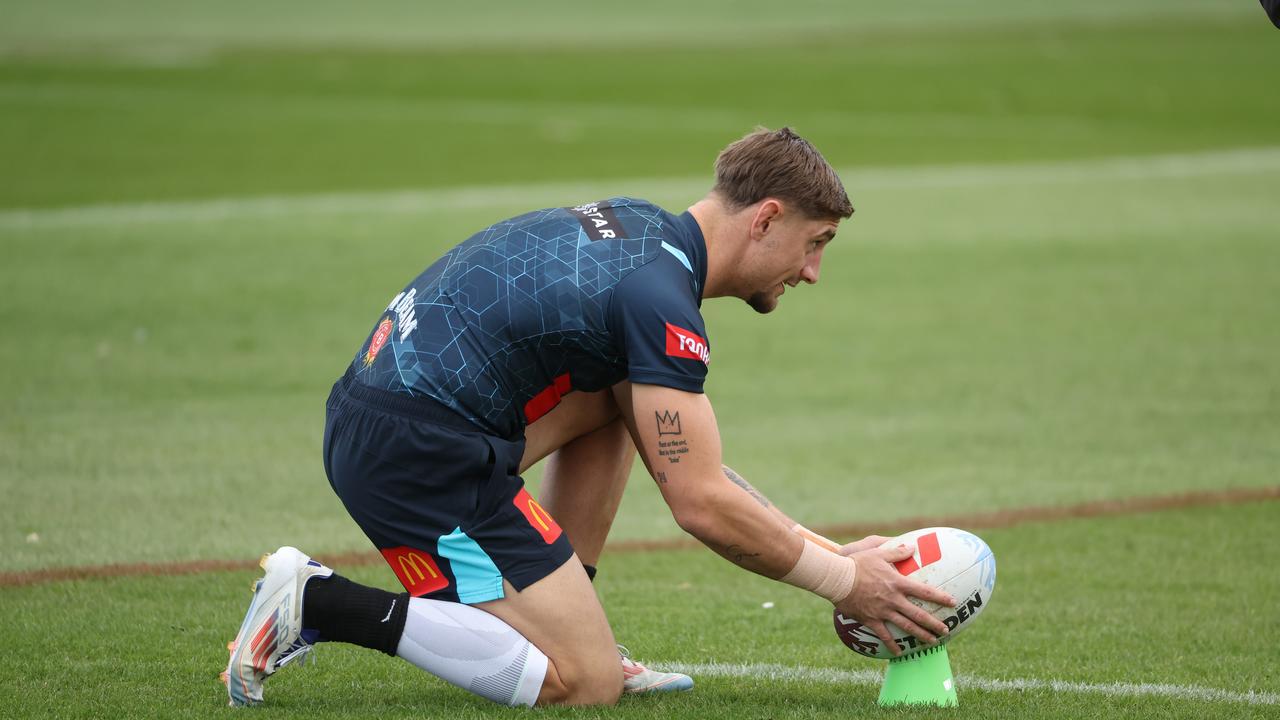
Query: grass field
(1062, 285)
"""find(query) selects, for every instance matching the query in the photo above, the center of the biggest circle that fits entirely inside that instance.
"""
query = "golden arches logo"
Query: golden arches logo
(416, 569)
(539, 519)
(415, 562)
(540, 516)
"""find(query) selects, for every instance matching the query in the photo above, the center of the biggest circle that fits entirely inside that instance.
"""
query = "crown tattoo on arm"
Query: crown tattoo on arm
(668, 422)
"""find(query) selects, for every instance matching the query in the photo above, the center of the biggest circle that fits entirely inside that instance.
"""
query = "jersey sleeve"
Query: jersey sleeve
(658, 327)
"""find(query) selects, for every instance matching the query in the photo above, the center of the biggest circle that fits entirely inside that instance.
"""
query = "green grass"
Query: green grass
(997, 350)
(1161, 592)
(246, 119)
(70, 25)
(1013, 317)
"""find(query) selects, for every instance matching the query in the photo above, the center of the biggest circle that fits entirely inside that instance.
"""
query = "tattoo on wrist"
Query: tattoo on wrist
(669, 424)
(738, 480)
(738, 554)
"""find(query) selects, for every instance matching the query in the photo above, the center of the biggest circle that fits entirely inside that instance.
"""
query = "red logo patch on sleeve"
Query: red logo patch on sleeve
(683, 343)
(538, 518)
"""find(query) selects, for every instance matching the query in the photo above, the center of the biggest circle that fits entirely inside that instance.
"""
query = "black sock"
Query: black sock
(591, 572)
(342, 611)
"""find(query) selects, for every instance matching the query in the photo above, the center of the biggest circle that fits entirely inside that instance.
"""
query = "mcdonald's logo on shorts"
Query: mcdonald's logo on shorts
(417, 570)
(538, 518)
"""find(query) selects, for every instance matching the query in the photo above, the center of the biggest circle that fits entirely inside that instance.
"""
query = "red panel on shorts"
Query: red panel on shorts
(417, 570)
(538, 518)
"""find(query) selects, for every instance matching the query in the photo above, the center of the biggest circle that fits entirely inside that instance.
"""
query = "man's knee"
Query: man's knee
(561, 616)
(589, 684)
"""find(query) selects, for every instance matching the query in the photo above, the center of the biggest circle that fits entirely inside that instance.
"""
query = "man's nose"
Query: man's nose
(809, 273)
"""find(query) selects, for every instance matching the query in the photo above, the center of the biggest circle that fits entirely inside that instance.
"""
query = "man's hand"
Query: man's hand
(880, 594)
(866, 543)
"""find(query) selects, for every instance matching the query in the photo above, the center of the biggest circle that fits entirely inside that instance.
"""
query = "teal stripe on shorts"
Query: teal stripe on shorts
(478, 578)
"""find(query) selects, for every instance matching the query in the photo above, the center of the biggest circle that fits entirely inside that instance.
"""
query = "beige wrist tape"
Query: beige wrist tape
(808, 534)
(823, 572)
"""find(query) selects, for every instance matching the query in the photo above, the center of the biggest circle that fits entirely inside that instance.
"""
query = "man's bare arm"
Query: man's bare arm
(741, 482)
(676, 435)
(677, 438)
(795, 527)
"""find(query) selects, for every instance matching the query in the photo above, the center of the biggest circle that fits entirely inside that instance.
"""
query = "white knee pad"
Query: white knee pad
(474, 650)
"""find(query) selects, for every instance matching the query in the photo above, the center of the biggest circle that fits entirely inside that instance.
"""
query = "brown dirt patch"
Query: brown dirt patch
(974, 521)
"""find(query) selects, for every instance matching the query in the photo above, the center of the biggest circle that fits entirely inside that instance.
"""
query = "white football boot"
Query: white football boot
(637, 678)
(271, 635)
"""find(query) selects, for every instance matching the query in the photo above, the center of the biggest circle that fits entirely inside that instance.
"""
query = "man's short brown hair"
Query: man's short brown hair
(780, 164)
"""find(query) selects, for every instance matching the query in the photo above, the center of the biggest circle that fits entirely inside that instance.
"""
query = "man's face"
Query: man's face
(789, 252)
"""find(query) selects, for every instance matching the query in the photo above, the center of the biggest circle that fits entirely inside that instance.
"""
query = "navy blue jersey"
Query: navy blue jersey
(554, 300)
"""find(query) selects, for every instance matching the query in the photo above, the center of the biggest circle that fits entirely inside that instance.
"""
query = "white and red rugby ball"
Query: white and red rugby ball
(953, 560)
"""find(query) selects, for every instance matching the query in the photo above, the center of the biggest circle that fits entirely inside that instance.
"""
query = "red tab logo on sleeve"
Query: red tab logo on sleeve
(682, 343)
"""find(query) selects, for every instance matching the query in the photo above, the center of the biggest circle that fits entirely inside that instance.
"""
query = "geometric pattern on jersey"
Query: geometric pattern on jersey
(525, 305)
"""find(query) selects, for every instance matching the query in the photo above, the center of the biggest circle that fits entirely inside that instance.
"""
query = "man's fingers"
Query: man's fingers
(882, 632)
(901, 552)
(869, 542)
(906, 624)
(923, 619)
(918, 589)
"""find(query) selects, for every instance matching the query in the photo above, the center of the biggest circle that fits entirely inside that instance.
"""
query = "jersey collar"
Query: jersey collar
(698, 245)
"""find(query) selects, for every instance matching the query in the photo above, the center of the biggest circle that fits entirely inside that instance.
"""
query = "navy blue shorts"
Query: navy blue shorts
(442, 501)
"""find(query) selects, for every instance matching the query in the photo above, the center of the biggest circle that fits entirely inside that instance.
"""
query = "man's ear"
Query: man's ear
(767, 213)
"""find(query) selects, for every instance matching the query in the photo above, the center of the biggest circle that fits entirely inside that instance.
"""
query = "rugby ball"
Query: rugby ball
(953, 560)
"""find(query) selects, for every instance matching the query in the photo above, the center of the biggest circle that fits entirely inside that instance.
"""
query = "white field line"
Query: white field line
(833, 676)
(401, 25)
(435, 200)
(560, 121)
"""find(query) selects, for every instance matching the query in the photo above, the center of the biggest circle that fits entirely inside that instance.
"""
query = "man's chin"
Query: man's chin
(763, 303)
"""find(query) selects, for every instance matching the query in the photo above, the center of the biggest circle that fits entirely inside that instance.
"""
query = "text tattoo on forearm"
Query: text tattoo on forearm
(737, 554)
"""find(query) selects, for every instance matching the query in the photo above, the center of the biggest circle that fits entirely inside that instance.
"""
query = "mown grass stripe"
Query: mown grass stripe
(784, 673)
(427, 201)
(1008, 517)
(1005, 517)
